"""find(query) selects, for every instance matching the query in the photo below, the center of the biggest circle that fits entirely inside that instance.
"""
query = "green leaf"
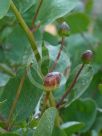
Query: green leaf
(24, 5)
(98, 54)
(72, 127)
(81, 43)
(45, 60)
(27, 101)
(35, 76)
(3, 79)
(55, 9)
(64, 60)
(89, 5)
(3, 132)
(9, 134)
(19, 50)
(46, 123)
(53, 40)
(1, 103)
(82, 111)
(7, 70)
(58, 132)
(4, 7)
(100, 88)
(98, 123)
(78, 22)
(82, 83)
(2, 55)
(93, 90)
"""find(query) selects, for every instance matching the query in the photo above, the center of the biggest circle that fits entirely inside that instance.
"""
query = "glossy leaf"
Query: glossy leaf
(56, 9)
(24, 5)
(76, 44)
(78, 22)
(19, 50)
(46, 123)
(58, 132)
(72, 127)
(27, 100)
(82, 83)
(98, 55)
(93, 90)
(45, 60)
(51, 39)
(3, 79)
(4, 7)
(98, 123)
(7, 70)
(82, 111)
(64, 60)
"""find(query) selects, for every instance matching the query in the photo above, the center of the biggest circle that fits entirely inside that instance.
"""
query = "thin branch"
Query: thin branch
(16, 99)
(70, 87)
(34, 29)
(58, 56)
(37, 12)
(27, 31)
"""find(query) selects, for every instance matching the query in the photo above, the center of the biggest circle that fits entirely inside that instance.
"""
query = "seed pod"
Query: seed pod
(52, 81)
(64, 29)
(87, 56)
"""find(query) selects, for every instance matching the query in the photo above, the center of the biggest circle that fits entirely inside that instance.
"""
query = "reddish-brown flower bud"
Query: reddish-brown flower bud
(52, 81)
(87, 56)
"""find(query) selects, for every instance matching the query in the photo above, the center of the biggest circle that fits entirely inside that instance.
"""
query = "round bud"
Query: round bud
(87, 56)
(64, 29)
(52, 81)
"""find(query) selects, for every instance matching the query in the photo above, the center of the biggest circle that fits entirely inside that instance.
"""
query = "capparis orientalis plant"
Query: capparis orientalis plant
(50, 68)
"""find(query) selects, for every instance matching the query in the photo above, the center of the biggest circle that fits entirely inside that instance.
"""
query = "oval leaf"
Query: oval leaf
(46, 124)
(82, 111)
(55, 9)
(4, 6)
(72, 127)
(82, 83)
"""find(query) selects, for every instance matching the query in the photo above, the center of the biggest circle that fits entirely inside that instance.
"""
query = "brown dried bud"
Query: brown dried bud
(52, 81)
(87, 56)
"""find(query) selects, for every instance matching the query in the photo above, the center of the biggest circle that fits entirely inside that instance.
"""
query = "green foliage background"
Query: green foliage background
(82, 114)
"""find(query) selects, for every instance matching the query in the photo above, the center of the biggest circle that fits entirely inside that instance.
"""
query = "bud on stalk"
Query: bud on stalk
(64, 29)
(87, 56)
(52, 81)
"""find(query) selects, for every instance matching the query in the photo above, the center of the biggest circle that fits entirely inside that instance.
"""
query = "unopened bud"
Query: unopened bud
(87, 56)
(64, 29)
(52, 81)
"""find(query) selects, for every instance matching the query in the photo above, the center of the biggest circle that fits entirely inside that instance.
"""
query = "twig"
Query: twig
(27, 31)
(70, 87)
(16, 99)
(58, 56)
(36, 13)
(35, 28)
